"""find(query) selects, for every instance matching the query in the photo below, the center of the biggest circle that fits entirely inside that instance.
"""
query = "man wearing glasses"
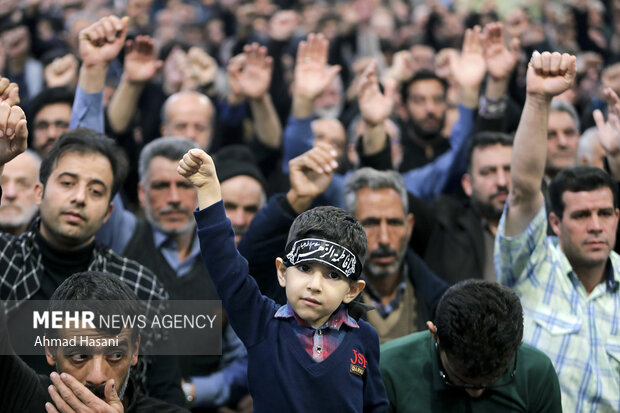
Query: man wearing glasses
(471, 360)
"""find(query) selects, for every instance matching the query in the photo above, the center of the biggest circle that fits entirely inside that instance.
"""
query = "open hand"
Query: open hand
(375, 106)
(312, 74)
(609, 132)
(141, 62)
(71, 396)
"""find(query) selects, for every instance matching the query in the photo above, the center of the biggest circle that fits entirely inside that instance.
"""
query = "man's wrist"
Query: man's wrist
(297, 202)
(190, 392)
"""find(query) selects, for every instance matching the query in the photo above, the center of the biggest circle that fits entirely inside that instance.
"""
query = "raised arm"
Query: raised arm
(250, 79)
(548, 75)
(609, 131)
(375, 108)
(13, 130)
(312, 74)
(140, 66)
(99, 45)
(312, 77)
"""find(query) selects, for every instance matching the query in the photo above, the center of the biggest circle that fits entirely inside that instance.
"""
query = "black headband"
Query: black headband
(326, 252)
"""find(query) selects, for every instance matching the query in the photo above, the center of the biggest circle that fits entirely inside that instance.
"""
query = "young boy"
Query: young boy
(310, 354)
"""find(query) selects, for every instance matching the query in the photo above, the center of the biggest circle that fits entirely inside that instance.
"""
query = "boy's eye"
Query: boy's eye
(333, 275)
(303, 267)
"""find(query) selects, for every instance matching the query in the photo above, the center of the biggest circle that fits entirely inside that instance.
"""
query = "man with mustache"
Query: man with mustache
(456, 236)
(568, 284)
(49, 116)
(94, 378)
(399, 285)
(19, 206)
(165, 241)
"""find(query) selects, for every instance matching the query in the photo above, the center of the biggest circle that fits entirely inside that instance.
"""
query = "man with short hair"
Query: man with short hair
(96, 378)
(19, 205)
(242, 184)
(49, 116)
(562, 138)
(456, 236)
(165, 241)
(568, 284)
(471, 359)
(78, 179)
(399, 285)
(188, 114)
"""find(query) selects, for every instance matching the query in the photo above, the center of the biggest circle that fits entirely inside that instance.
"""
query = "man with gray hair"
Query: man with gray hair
(165, 241)
(399, 285)
(19, 204)
(590, 151)
(562, 138)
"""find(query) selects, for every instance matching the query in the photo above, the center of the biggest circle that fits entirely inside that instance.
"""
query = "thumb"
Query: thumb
(599, 119)
(515, 45)
(111, 395)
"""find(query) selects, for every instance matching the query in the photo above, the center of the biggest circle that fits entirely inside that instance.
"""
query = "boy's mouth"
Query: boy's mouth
(310, 301)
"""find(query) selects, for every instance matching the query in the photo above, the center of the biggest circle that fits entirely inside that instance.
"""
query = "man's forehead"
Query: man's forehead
(89, 165)
(491, 155)
(560, 118)
(594, 199)
(384, 202)
(426, 87)
(54, 110)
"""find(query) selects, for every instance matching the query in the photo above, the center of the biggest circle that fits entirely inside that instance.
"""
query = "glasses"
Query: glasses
(501, 381)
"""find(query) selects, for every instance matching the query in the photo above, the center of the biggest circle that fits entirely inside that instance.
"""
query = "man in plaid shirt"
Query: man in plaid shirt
(568, 284)
(79, 177)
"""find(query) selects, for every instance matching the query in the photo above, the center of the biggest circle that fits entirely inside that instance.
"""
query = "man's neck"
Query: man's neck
(386, 287)
(184, 244)
(590, 277)
(59, 243)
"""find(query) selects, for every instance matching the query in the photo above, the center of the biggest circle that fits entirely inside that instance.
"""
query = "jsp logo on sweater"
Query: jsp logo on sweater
(358, 363)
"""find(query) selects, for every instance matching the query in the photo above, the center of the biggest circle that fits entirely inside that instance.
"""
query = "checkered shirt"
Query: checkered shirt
(579, 332)
(21, 270)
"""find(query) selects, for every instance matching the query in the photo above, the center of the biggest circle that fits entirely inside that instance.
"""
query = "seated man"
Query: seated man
(471, 360)
(82, 376)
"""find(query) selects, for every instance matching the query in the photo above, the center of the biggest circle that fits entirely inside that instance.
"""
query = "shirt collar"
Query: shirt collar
(339, 317)
(160, 238)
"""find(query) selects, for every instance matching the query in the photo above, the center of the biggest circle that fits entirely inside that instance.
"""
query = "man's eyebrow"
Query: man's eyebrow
(75, 176)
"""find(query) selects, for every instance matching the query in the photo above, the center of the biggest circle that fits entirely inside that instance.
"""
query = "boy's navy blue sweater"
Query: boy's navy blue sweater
(282, 376)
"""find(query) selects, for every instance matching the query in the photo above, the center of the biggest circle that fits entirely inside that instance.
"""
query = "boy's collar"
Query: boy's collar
(334, 322)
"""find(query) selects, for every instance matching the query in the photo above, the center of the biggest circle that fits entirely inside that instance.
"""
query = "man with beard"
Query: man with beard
(19, 204)
(562, 138)
(399, 285)
(94, 378)
(455, 236)
(424, 98)
(165, 241)
(568, 284)
(49, 116)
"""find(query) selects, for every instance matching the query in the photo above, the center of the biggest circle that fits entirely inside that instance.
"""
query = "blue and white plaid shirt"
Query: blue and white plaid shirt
(580, 332)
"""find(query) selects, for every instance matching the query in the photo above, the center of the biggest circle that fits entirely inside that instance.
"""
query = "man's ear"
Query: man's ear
(38, 192)
(281, 269)
(109, 213)
(555, 223)
(410, 223)
(134, 356)
(49, 356)
(432, 328)
(142, 194)
(355, 288)
(466, 184)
